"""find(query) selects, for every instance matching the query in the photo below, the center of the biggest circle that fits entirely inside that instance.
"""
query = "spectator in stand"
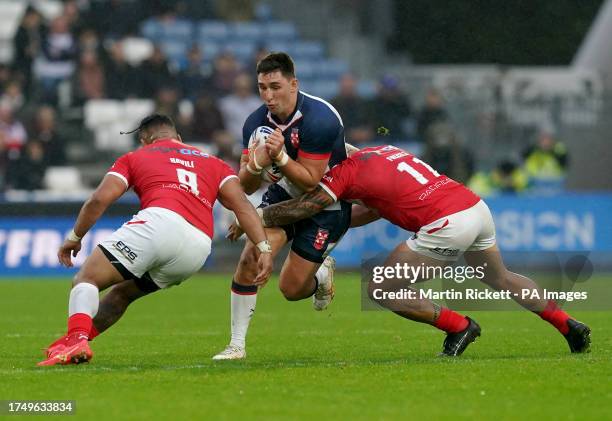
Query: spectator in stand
(390, 109)
(73, 16)
(444, 152)
(115, 18)
(90, 41)
(506, 178)
(259, 54)
(13, 96)
(432, 112)
(207, 119)
(354, 112)
(227, 148)
(27, 45)
(57, 61)
(167, 102)
(155, 72)
(89, 81)
(27, 172)
(225, 71)
(6, 76)
(481, 184)
(122, 80)
(237, 106)
(194, 79)
(44, 128)
(547, 159)
(13, 132)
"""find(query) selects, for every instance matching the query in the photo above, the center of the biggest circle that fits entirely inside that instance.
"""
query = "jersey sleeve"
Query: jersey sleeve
(225, 173)
(339, 181)
(122, 169)
(318, 140)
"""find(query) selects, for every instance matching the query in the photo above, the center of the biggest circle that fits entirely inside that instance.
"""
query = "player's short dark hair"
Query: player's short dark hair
(277, 61)
(156, 120)
(152, 121)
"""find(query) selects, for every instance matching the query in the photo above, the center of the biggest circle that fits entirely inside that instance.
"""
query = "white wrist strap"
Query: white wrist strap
(264, 246)
(281, 159)
(252, 171)
(72, 236)
(257, 166)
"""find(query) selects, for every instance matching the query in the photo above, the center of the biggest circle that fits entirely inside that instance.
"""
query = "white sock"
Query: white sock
(322, 275)
(84, 298)
(243, 307)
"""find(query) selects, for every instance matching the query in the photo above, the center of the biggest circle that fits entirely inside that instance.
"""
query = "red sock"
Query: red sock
(80, 325)
(58, 341)
(450, 321)
(555, 316)
(93, 332)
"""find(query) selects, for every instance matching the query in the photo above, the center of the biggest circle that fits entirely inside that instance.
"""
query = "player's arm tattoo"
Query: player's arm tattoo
(290, 211)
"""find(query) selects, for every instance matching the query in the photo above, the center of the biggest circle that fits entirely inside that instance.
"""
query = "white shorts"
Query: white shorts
(162, 243)
(448, 237)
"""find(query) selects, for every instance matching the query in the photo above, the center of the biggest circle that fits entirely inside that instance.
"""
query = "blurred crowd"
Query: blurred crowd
(389, 118)
(59, 65)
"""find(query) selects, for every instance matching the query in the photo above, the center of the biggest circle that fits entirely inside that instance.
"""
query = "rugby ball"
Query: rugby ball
(271, 173)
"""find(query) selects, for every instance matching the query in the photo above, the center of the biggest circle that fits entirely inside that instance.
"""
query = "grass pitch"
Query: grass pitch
(343, 363)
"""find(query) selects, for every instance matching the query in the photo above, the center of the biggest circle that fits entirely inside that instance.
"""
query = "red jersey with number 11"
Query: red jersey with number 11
(401, 187)
(172, 175)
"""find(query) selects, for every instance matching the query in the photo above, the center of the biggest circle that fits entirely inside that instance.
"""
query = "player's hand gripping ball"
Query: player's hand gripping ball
(270, 173)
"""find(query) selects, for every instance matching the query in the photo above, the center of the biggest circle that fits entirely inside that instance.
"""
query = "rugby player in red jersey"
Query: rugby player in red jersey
(161, 246)
(447, 218)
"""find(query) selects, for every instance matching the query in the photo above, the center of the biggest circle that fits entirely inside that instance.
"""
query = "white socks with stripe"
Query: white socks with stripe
(243, 301)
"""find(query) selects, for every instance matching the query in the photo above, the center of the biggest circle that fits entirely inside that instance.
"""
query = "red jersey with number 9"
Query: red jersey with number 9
(404, 189)
(172, 175)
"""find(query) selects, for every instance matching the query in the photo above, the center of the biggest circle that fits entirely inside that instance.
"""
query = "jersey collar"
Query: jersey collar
(165, 139)
(297, 114)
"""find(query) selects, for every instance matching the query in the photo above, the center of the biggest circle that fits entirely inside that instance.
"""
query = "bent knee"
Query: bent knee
(246, 269)
(290, 291)
(124, 295)
(81, 278)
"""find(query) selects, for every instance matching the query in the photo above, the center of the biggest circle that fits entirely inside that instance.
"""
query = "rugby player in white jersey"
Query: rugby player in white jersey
(307, 139)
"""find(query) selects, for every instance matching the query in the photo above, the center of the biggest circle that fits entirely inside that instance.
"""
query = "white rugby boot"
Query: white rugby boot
(231, 352)
(326, 290)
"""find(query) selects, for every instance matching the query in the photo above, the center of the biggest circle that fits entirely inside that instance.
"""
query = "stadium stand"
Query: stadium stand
(186, 63)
